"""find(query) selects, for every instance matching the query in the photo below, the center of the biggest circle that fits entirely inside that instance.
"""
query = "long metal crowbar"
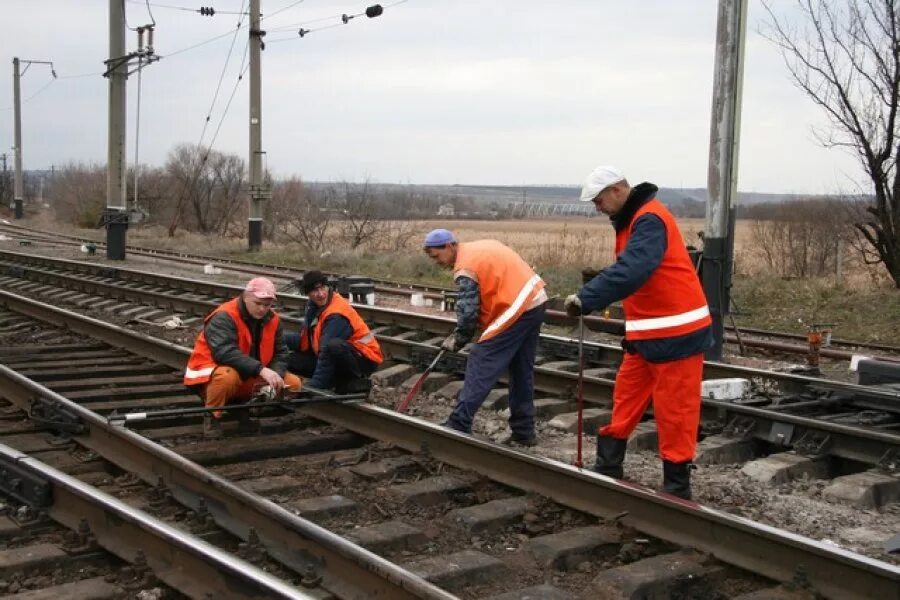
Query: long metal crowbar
(578, 462)
(404, 404)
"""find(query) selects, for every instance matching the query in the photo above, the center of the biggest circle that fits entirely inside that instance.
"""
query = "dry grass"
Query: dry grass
(864, 306)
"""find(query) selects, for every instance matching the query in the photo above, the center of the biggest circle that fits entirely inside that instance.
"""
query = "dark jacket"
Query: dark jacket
(221, 336)
(335, 327)
(633, 267)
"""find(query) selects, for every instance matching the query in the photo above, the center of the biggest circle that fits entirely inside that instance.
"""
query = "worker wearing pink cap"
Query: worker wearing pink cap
(239, 349)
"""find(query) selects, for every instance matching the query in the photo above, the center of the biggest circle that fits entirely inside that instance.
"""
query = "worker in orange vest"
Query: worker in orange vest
(238, 352)
(335, 348)
(667, 326)
(500, 295)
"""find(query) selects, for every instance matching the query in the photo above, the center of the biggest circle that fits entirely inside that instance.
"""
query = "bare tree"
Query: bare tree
(210, 185)
(300, 215)
(79, 193)
(361, 221)
(847, 61)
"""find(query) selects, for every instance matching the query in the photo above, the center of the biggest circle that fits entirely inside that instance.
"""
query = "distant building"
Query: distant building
(446, 210)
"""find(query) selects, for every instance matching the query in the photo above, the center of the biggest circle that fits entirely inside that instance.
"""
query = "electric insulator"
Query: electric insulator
(374, 11)
(345, 18)
(207, 11)
(302, 32)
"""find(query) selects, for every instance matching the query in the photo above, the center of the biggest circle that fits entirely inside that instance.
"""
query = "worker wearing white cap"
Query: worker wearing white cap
(667, 326)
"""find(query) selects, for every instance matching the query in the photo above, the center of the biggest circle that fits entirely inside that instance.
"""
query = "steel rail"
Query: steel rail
(375, 315)
(613, 326)
(844, 441)
(180, 559)
(348, 571)
(758, 548)
(395, 287)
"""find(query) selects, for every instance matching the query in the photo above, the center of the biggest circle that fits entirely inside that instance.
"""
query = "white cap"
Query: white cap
(600, 178)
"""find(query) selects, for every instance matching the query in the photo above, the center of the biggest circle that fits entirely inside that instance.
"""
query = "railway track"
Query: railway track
(473, 518)
(781, 343)
(851, 423)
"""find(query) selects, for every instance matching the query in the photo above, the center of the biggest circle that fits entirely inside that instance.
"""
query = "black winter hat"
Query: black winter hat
(311, 279)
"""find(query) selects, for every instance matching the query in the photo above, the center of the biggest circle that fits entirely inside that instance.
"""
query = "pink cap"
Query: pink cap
(261, 287)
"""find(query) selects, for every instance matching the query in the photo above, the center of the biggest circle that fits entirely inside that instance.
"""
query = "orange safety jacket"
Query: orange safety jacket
(508, 286)
(671, 302)
(201, 364)
(362, 339)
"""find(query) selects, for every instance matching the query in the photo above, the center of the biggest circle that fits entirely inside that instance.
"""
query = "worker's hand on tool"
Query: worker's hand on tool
(272, 378)
(451, 344)
(573, 305)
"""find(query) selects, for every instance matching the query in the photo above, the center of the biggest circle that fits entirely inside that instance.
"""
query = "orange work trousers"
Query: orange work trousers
(226, 386)
(674, 388)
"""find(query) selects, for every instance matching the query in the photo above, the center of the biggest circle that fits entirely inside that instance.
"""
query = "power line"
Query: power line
(224, 69)
(372, 11)
(183, 8)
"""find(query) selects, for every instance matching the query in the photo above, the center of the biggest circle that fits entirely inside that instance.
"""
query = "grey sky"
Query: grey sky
(452, 91)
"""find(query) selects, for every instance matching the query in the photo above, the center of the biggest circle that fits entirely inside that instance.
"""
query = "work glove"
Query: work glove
(451, 344)
(573, 305)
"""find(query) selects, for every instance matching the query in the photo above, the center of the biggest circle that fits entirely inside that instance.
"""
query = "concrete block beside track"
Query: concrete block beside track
(867, 489)
(550, 407)
(662, 576)
(457, 570)
(324, 507)
(784, 467)
(593, 418)
(451, 390)
(392, 376)
(644, 437)
(538, 592)
(723, 450)
(390, 536)
(431, 491)
(434, 382)
(95, 588)
(27, 557)
(385, 468)
(568, 549)
(779, 593)
(490, 516)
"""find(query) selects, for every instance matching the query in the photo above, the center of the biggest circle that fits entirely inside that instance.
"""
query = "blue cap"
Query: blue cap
(439, 237)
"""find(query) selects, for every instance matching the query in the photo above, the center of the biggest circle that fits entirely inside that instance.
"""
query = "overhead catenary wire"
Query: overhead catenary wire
(342, 19)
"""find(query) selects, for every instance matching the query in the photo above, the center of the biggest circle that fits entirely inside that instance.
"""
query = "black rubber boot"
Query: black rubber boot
(354, 385)
(677, 479)
(610, 456)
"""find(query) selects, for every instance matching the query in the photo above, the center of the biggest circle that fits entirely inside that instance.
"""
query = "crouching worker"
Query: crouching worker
(334, 349)
(239, 350)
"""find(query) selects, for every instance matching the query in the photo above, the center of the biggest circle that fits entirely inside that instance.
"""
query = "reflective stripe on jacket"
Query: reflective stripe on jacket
(671, 302)
(201, 364)
(362, 339)
(508, 286)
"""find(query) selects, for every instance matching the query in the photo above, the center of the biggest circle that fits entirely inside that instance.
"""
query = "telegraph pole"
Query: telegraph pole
(116, 214)
(724, 141)
(17, 160)
(17, 109)
(257, 192)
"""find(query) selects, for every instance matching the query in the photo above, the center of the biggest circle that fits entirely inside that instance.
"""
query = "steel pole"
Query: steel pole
(724, 140)
(116, 216)
(18, 193)
(256, 213)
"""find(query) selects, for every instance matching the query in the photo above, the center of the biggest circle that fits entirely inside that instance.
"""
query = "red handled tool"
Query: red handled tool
(404, 404)
(578, 462)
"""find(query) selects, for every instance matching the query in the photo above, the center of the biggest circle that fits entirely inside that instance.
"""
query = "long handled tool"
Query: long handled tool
(578, 462)
(117, 419)
(404, 404)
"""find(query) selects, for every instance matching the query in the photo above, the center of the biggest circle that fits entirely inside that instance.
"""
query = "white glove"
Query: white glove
(449, 344)
(572, 305)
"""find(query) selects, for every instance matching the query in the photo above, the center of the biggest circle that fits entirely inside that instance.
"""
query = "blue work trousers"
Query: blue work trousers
(512, 350)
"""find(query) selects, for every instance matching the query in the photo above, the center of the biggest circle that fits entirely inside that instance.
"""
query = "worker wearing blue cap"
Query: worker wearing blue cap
(502, 296)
